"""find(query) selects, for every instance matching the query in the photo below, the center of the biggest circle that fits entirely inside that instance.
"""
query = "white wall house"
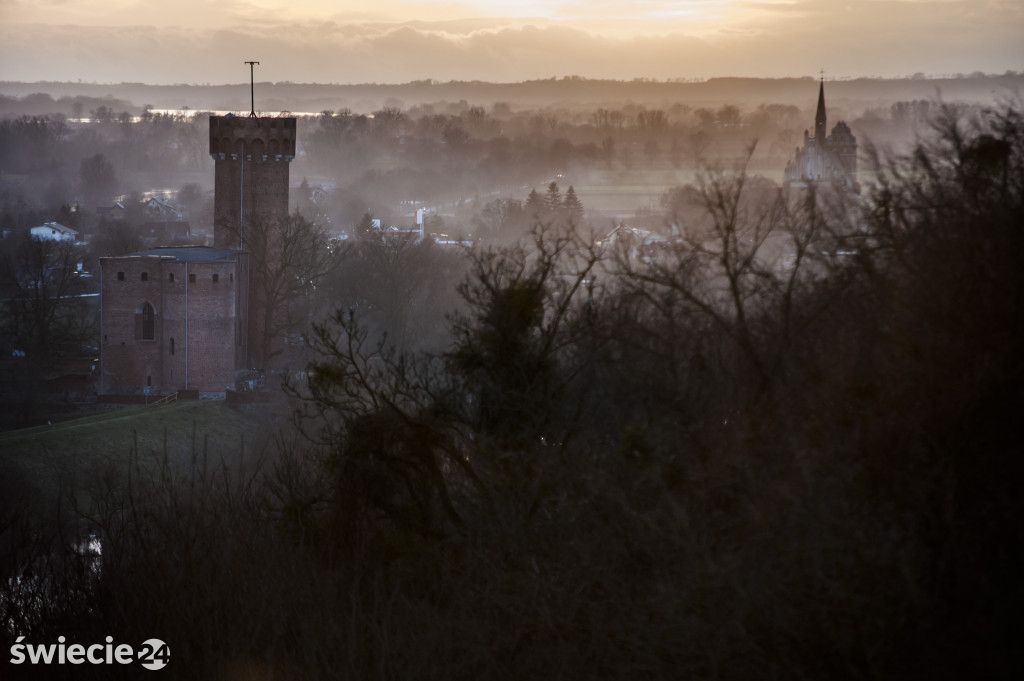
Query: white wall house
(54, 231)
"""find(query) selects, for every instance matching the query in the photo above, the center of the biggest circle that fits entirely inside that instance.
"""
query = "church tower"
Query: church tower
(819, 117)
(828, 159)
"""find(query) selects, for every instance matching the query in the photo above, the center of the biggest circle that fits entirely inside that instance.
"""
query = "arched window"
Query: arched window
(172, 345)
(148, 322)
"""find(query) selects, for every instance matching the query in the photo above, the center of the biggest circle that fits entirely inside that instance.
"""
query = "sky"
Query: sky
(397, 41)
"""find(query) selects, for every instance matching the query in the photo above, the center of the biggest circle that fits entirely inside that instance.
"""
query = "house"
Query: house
(157, 210)
(114, 213)
(639, 243)
(54, 231)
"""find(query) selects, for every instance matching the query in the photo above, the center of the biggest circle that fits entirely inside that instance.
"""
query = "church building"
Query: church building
(825, 160)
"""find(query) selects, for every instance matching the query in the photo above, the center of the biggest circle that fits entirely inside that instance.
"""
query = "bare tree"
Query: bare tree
(289, 259)
(98, 178)
(42, 311)
(42, 287)
(400, 287)
(743, 252)
(508, 342)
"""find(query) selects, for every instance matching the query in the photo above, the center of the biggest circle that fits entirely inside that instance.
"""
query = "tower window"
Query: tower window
(145, 276)
(191, 278)
(216, 278)
(120, 276)
(231, 277)
(148, 322)
(172, 345)
(170, 277)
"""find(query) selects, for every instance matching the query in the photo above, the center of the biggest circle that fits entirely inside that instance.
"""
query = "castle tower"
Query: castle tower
(250, 200)
(819, 117)
(251, 174)
(188, 318)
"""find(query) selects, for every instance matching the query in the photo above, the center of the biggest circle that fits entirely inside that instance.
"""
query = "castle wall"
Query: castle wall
(128, 360)
(195, 342)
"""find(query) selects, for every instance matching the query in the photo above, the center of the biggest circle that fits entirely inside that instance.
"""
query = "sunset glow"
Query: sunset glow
(401, 40)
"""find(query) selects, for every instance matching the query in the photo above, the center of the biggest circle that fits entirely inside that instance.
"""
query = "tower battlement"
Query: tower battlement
(258, 140)
(252, 157)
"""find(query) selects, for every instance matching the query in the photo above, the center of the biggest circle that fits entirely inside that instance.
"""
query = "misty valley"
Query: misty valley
(556, 379)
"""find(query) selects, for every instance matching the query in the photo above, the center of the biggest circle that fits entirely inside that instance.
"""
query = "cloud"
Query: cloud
(950, 37)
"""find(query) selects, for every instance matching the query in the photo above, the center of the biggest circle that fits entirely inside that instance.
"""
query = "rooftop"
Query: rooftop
(191, 253)
(57, 227)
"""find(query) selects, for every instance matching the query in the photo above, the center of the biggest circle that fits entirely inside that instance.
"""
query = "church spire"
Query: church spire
(819, 117)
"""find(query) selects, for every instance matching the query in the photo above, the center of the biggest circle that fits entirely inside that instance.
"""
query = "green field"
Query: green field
(120, 430)
(49, 460)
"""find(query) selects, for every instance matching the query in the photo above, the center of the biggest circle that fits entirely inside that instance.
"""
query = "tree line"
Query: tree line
(435, 153)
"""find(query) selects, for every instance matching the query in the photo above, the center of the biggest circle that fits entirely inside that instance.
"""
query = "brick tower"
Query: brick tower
(251, 174)
(251, 156)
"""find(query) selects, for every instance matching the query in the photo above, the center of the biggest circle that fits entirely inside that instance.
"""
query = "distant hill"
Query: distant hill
(570, 92)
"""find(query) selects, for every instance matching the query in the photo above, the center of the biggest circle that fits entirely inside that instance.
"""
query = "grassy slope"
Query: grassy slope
(48, 458)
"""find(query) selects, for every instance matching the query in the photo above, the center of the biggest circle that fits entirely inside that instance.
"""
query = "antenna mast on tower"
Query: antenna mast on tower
(252, 88)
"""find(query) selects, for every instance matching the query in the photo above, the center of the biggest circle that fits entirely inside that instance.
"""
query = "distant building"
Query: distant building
(157, 210)
(825, 160)
(114, 213)
(54, 231)
(639, 243)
